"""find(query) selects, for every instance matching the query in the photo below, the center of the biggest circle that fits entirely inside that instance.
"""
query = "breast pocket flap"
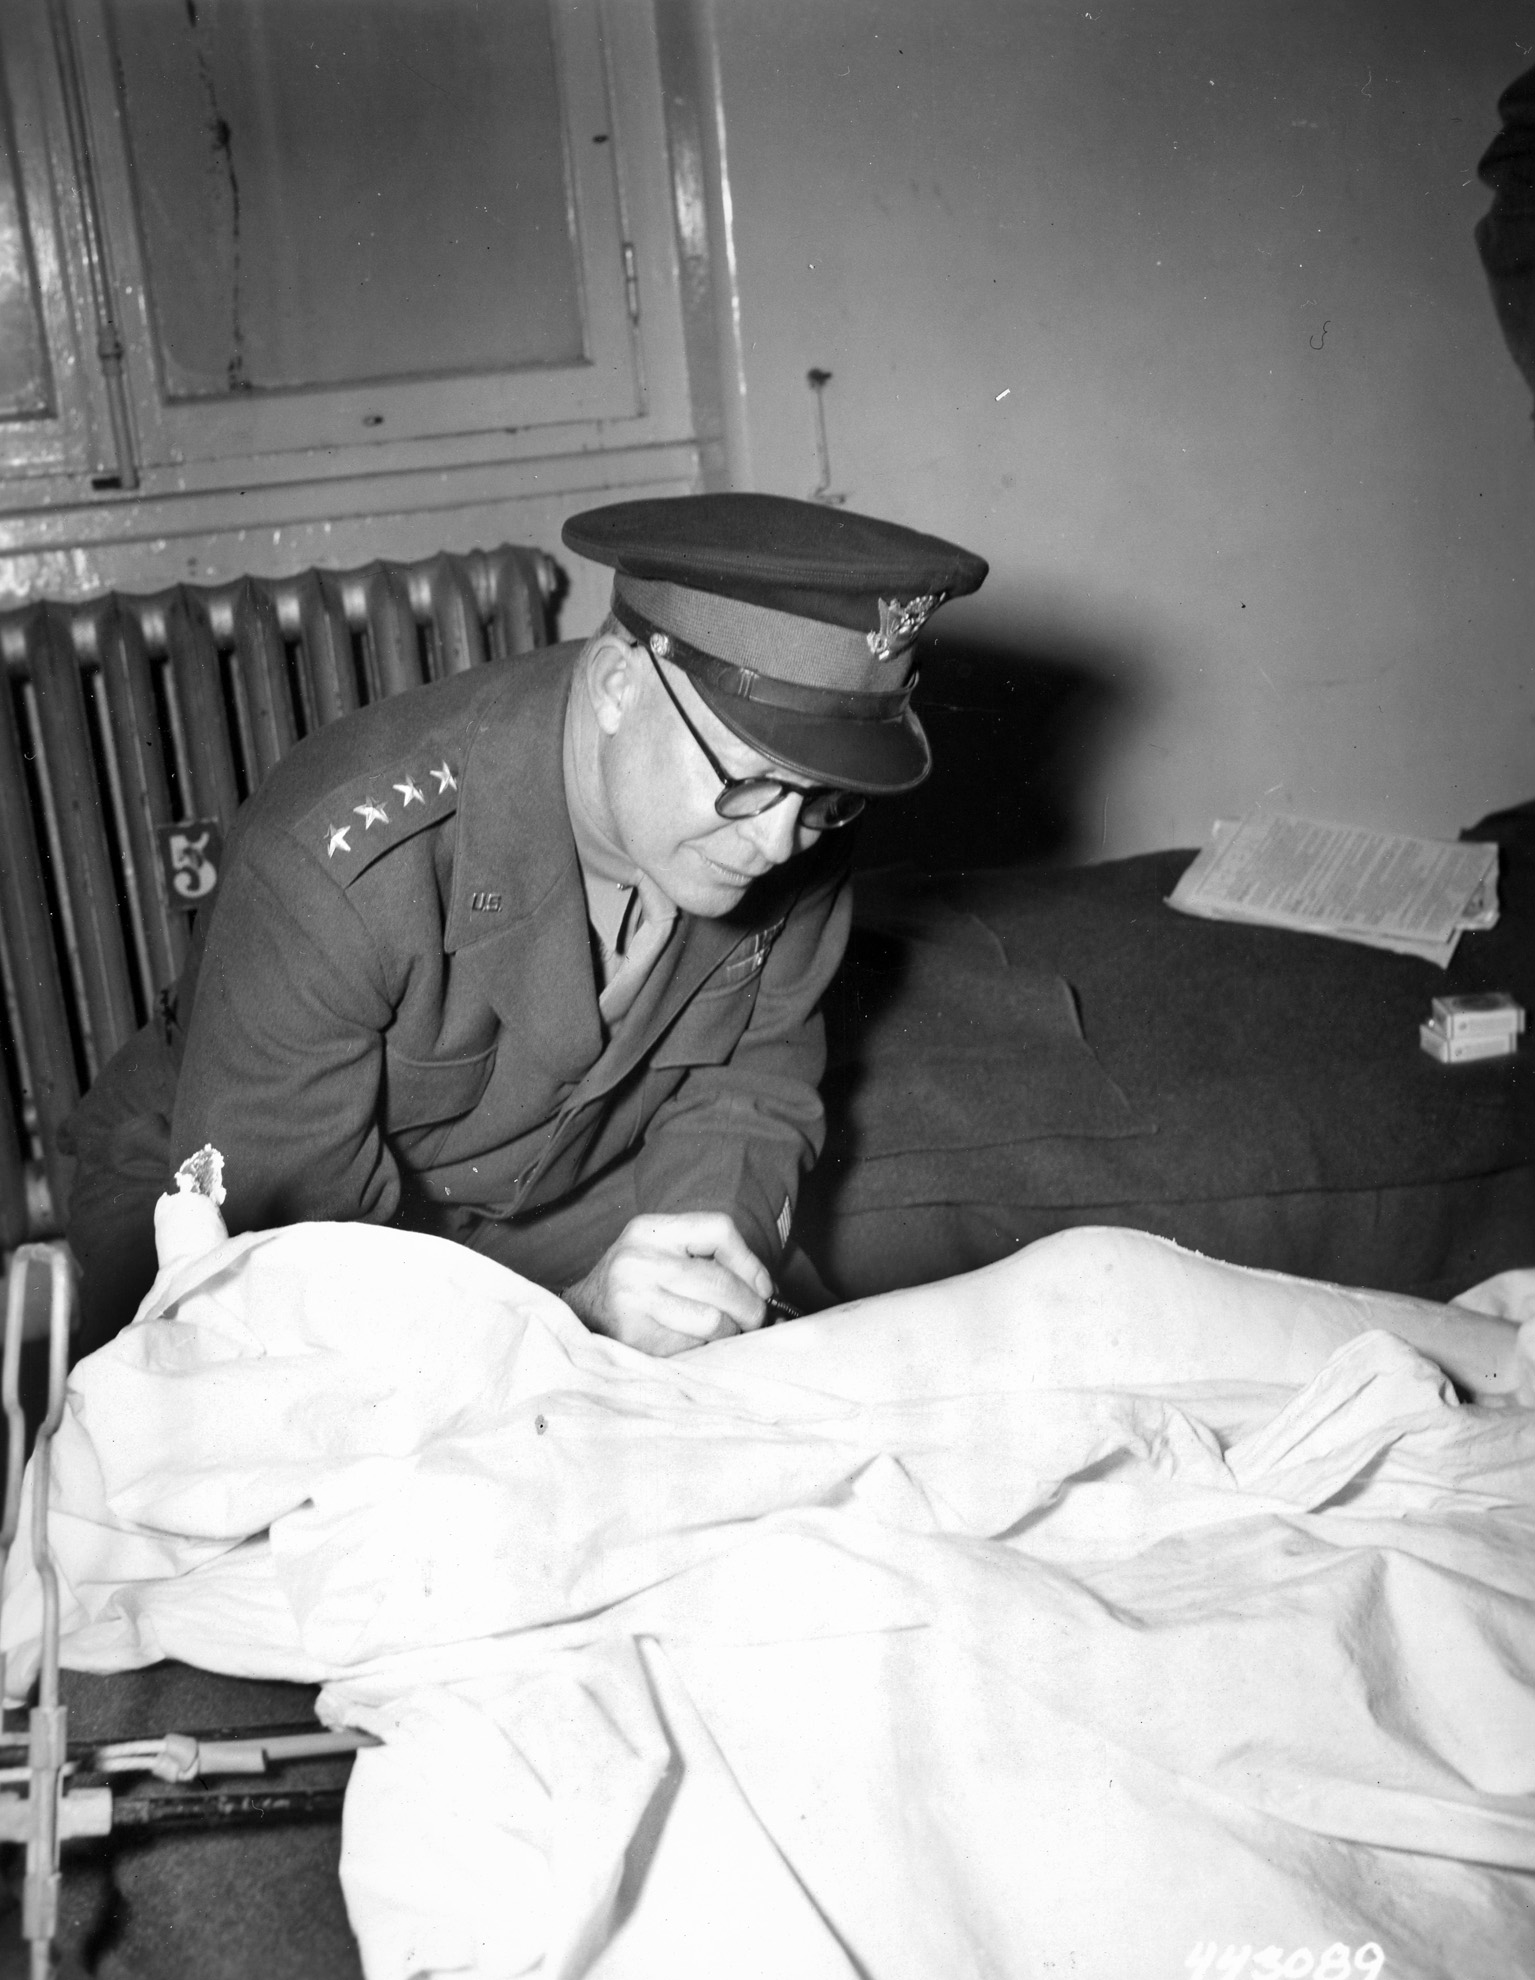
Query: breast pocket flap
(418, 1092)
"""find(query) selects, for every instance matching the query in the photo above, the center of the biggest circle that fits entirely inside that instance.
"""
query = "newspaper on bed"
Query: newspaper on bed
(1388, 890)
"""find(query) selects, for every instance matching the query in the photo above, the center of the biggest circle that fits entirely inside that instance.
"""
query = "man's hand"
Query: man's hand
(670, 1283)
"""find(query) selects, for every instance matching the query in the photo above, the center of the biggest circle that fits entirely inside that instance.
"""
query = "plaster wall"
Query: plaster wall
(1170, 308)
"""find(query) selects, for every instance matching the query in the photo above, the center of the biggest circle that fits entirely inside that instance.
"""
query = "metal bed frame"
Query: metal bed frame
(54, 1790)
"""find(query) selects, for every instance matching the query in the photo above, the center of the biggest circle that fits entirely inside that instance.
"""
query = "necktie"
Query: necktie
(647, 938)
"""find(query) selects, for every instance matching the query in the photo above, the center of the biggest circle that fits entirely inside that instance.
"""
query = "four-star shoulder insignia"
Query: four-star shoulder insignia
(371, 828)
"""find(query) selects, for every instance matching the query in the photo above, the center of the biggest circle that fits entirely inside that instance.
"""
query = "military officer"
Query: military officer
(532, 957)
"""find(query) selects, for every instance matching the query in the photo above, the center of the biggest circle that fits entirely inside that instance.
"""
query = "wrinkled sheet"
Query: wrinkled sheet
(1097, 1607)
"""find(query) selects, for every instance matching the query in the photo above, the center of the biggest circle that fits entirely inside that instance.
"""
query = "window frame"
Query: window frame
(606, 384)
(70, 519)
(71, 437)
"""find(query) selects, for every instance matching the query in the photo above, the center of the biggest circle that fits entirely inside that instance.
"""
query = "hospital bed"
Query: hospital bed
(1015, 1051)
(1107, 1608)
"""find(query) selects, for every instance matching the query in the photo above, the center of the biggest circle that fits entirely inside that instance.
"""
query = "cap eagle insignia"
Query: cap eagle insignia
(899, 624)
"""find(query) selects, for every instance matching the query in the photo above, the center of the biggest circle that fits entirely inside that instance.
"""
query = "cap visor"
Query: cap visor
(877, 758)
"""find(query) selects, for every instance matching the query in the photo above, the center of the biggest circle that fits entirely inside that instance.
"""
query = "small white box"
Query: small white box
(1456, 1051)
(1480, 1015)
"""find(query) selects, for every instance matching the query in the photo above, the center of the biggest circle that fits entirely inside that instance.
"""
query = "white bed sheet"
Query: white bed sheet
(1088, 1612)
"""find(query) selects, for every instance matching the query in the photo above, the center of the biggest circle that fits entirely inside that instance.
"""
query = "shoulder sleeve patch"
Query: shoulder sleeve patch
(358, 822)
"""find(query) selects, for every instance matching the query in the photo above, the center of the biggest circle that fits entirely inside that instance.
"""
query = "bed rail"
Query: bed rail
(54, 1790)
(131, 728)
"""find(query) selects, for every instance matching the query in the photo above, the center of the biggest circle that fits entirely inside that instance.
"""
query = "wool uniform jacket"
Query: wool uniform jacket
(395, 1011)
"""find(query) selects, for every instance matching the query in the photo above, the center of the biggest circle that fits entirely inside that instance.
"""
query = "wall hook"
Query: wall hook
(818, 381)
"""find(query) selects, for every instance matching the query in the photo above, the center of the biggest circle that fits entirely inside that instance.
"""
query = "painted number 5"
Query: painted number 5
(193, 874)
(191, 853)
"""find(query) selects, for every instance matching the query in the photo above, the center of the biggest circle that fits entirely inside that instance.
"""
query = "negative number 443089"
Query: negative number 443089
(1210, 1961)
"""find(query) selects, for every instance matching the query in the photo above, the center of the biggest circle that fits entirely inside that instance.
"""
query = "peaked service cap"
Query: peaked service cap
(795, 622)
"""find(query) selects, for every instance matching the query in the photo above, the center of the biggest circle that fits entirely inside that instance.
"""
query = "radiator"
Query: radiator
(131, 729)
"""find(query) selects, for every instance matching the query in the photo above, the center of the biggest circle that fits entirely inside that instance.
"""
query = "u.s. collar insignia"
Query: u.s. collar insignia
(899, 624)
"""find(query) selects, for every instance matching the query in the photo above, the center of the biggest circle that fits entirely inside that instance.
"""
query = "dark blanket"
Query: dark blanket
(1257, 1094)
(945, 1046)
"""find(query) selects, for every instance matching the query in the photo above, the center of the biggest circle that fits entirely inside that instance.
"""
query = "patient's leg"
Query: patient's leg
(1104, 1307)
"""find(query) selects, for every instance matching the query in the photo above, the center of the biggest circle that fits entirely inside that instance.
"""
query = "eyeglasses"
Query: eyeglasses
(824, 808)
